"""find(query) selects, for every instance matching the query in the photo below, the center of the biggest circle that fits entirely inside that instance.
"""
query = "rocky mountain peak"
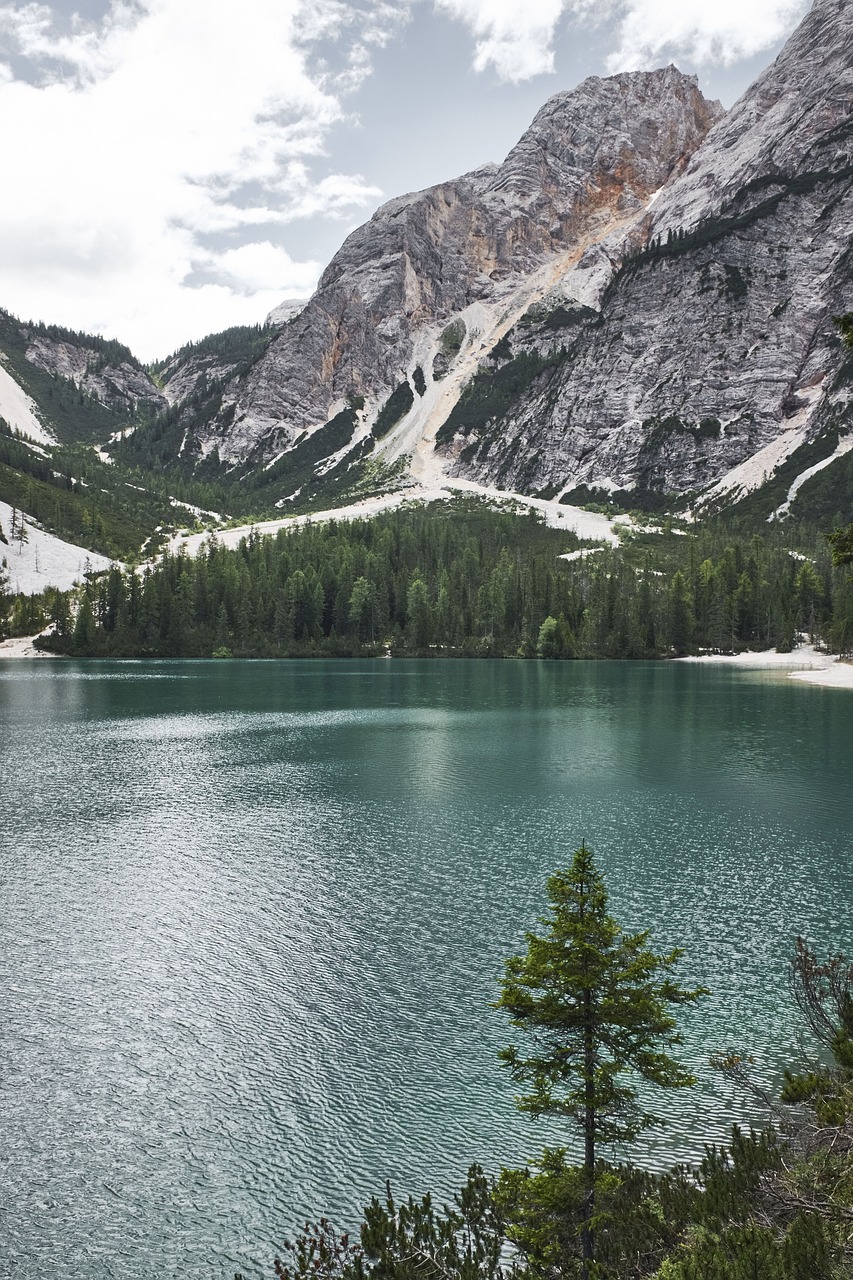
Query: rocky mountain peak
(639, 297)
(712, 357)
(586, 166)
(794, 117)
(633, 129)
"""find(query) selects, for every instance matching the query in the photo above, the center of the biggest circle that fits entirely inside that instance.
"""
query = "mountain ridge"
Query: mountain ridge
(724, 318)
(636, 302)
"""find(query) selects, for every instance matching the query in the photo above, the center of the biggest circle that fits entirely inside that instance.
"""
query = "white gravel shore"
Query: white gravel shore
(804, 663)
(22, 647)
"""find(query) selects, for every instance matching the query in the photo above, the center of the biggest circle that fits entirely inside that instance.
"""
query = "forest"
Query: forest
(462, 579)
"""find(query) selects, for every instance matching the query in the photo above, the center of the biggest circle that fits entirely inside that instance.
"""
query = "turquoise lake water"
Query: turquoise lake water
(253, 915)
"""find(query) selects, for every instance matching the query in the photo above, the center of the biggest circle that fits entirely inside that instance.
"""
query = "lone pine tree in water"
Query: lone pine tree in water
(595, 1004)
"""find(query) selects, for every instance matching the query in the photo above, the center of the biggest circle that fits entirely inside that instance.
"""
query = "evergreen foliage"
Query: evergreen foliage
(73, 495)
(5, 592)
(844, 325)
(841, 542)
(73, 415)
(237, 347)
(754, 201)
(639, 1218)
(452, 337)
(395, 407)
(254, 489)
(108, 351)
(826, 496)
(824, 995)
(463, 579)
(488, 396)
(170, 438)
(595, 1005)
(776, 1204)
(411, 1240)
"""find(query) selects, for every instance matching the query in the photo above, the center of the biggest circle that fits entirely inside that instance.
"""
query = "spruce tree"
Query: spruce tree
(595, 1004)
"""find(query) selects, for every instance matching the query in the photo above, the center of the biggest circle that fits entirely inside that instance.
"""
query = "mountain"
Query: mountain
(637, 304)
(436, 277)
(714, 346)
(640, 298)
(57, 385)
(69, 403)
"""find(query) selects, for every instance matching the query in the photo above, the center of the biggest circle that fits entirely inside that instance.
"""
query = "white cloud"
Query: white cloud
(725, 31)
(265, 267)
(516, 37)
(138, 144)
(137, 140)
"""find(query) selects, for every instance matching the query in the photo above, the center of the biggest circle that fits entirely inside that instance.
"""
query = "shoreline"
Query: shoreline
(805, 664)
(23, 647)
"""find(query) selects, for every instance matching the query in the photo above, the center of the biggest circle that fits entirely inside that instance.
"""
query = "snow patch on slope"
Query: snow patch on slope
(844, 446)
(756, 470)
(20, 411)
(43, 560)
(586, 525)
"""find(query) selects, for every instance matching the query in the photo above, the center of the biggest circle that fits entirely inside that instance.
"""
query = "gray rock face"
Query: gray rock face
(585, 170)
(120, 385)
(716, 344)
(640, 296)
(185, 375)
(286, 310)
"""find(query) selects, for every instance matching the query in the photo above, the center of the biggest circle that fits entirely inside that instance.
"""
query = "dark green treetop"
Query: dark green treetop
(596, 1004)
(406, 1240)
(841, 541)
(841, 545)
(844, 325)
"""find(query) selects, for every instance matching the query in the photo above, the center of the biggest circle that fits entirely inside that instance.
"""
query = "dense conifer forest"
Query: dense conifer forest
(463, 579)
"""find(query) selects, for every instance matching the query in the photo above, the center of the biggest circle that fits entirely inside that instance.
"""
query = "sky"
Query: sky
(169, 168)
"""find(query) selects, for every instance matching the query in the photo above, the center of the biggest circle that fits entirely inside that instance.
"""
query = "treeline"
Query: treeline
(239, 345)
(72, 414)
(105, 350)
(463, 579)
(73, 495)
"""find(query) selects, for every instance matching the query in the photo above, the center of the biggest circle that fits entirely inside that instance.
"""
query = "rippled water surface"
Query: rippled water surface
(253, 915)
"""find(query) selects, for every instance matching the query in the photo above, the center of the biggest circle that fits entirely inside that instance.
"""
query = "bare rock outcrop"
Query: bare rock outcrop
(715, 343)
(585, 170)
(118, 382)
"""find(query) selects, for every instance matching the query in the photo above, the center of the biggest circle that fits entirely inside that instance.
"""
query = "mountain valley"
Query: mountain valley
(643, 307)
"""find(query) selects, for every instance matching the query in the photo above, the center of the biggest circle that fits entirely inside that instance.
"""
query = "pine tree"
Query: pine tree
(680, 619)
(419, 614)
(5, 595)
(841, 545)
(85, 634)
(595, 1004)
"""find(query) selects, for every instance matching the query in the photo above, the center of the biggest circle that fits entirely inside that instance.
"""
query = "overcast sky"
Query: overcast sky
(173, 167)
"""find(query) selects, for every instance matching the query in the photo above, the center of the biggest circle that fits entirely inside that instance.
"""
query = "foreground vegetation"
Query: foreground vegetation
(594, 1008)
(464, 579)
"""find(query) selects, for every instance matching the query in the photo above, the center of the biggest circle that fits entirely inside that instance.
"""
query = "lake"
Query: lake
(254, 913)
